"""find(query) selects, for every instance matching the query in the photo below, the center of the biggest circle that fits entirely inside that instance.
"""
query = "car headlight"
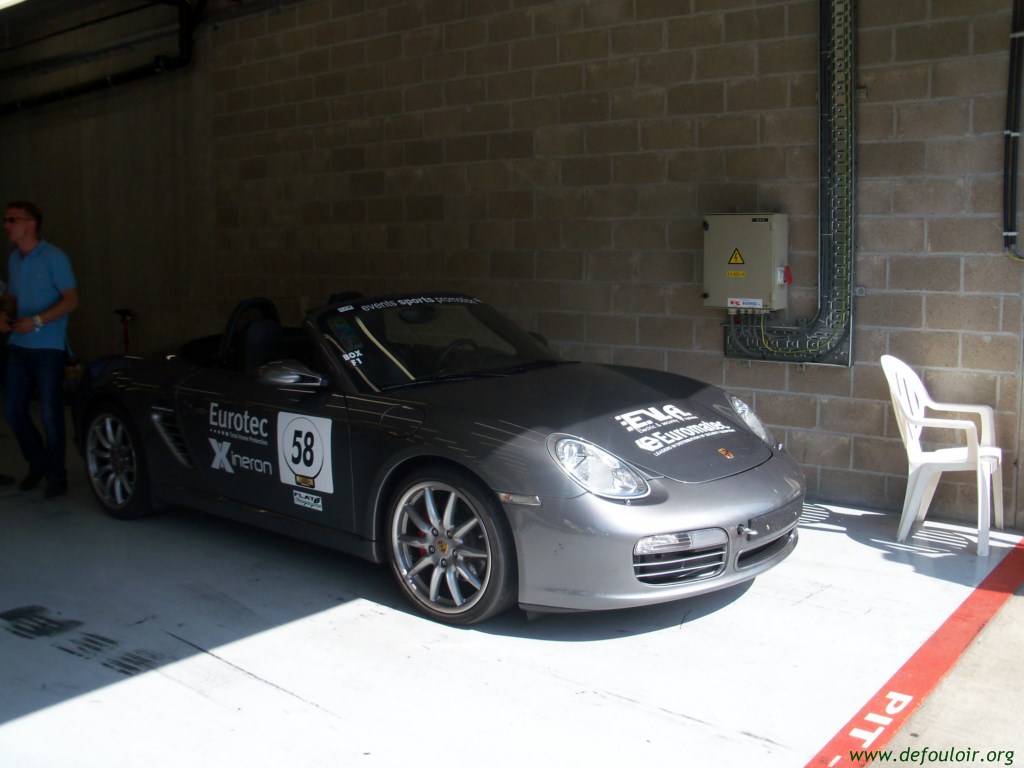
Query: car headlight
(597, 470)
(750, 418)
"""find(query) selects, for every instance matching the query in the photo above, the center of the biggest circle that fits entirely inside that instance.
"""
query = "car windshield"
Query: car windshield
(408, 340)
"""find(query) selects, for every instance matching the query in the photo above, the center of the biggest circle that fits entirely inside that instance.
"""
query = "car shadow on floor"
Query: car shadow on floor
(87, 601)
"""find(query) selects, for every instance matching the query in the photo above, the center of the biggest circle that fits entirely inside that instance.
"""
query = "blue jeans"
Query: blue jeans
(40, 371)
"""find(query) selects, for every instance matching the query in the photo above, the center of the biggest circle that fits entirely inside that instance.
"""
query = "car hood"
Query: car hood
(667, 425)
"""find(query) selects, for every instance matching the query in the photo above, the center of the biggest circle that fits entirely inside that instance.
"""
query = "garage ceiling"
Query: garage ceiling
(51, 50)
(34, 11)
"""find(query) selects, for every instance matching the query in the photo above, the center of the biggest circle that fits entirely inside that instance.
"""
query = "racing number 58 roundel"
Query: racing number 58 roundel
(304, 451)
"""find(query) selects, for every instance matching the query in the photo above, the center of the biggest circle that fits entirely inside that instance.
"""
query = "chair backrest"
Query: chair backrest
(909, 398)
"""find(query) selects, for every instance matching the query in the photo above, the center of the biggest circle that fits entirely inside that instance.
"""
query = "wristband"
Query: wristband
(37, 321)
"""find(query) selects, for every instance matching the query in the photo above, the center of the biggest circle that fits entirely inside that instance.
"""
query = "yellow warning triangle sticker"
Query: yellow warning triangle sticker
(736, 258)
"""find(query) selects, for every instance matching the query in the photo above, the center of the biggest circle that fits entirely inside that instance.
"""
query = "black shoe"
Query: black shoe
(32, 479)
(6, 480)
(55, 488)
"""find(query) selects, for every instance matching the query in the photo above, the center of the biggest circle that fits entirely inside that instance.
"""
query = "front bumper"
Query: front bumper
(577, 554)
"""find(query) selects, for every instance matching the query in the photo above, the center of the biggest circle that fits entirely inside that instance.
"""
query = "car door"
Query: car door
(271, 448)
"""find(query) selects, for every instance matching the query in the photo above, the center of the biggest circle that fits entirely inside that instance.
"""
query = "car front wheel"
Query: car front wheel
(451, 548)
(117, 473)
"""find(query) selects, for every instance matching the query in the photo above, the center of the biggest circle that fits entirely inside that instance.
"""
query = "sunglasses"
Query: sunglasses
(12, 219)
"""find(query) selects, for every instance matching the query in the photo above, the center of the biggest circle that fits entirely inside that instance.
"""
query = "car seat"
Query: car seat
(262, 342)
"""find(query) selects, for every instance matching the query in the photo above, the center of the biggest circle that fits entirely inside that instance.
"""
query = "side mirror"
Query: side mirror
(290, 373)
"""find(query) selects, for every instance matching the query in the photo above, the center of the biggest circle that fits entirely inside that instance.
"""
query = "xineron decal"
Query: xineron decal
(227, 460)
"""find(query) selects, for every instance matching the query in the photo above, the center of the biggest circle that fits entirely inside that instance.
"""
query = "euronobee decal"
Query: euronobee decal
(662, 442)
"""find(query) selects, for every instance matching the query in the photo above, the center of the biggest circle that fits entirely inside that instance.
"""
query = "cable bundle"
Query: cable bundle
(1011, 140)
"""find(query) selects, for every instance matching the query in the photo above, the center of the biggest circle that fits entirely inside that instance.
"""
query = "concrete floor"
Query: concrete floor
(184, 640)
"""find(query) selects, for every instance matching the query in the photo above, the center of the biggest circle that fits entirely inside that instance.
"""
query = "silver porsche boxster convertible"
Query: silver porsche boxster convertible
(431, 433)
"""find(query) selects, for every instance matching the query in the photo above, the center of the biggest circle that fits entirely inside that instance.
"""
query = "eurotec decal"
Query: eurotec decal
(308, 500)
(239, 425)
(304, 451)
(227, 460)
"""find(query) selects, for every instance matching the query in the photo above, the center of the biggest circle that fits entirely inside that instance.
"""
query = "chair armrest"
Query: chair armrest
(968, 427)
(988, 429)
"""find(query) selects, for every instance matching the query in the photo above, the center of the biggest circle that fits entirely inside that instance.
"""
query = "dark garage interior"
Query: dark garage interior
(567, 162)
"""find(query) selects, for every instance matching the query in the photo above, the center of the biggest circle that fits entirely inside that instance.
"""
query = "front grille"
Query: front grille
(680, 567)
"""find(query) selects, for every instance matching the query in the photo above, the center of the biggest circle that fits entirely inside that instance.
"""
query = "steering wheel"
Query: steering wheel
(452, 346)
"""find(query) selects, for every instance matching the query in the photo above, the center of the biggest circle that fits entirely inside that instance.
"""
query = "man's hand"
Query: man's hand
(23, 325)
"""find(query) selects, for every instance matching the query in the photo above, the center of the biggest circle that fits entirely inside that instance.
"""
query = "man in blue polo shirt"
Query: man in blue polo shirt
(5, 479)
(41, 293)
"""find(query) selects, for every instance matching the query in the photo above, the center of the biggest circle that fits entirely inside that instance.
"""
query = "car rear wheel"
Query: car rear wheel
(117, 472)
(451, 548)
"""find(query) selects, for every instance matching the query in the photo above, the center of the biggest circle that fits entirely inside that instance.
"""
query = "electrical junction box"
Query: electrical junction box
(745, 261)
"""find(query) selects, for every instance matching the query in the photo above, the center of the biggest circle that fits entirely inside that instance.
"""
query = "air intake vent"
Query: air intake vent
(754, 556)
(169, 429)
(680, 567)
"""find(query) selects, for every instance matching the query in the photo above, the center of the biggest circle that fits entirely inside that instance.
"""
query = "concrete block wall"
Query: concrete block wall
(557, 158)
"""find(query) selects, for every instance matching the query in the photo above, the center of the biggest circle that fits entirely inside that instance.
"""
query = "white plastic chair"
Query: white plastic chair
(911, 401)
